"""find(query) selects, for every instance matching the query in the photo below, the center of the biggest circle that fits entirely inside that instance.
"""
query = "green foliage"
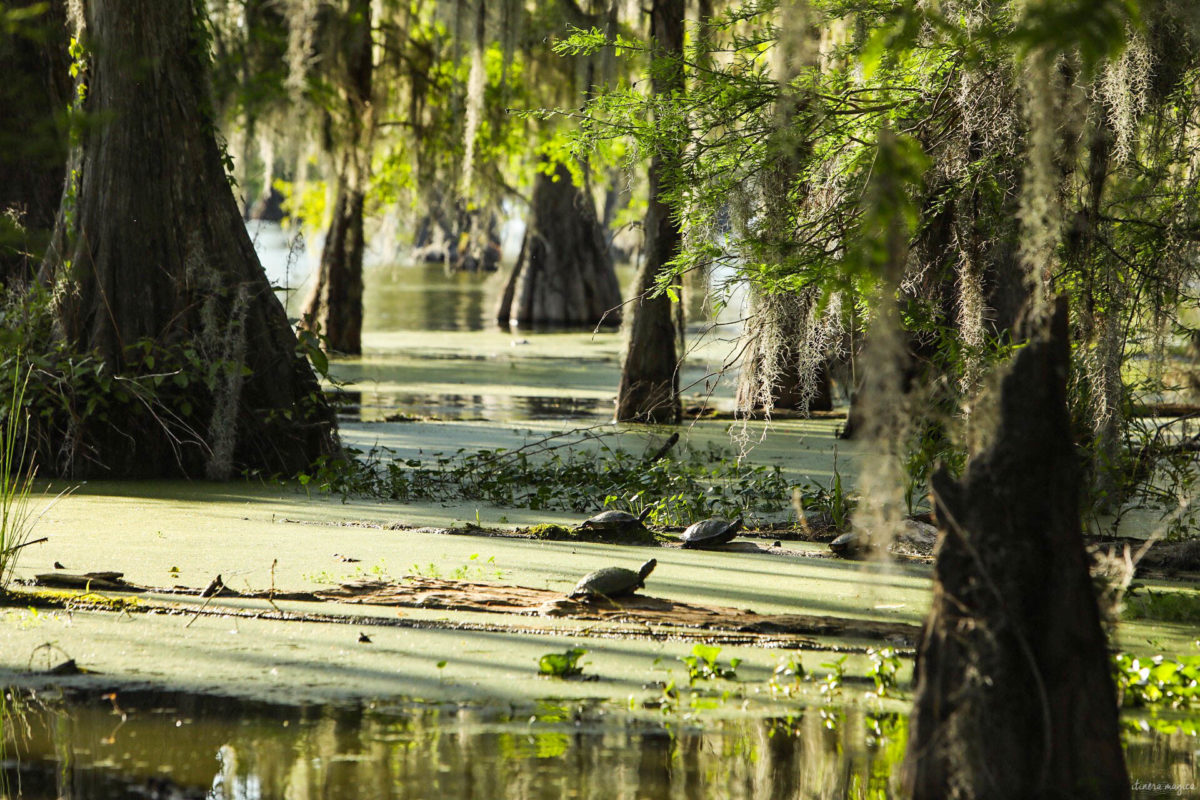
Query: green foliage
(22, 20)
(1168, 606)
(928, 449)
(885, 664)
(833, 502)
(551, 532)
(306, 206)
(892, 155)
(16, 479)
(831, 684)
(703, 665)
(787, 676)
(630, 534)
(704, 484)
(562, 665)
(1095, 29)
(78, 404)
(1158, 682)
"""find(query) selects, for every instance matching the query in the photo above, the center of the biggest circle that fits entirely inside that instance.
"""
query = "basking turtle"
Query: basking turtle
(711, 533)
(850, 545)
(616, 522)
(612, 582)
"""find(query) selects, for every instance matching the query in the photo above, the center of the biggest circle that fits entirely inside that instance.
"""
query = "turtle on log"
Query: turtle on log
(615, 523)
(710, 533)
(612, 582)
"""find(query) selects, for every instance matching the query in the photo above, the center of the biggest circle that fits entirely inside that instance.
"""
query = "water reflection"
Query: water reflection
(184, 746)
(425, 297)
(399, 406)
(178, 745)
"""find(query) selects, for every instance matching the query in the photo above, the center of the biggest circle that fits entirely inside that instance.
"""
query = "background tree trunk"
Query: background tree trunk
(564, 275)
(334, 306)
(649, 389)
(782, 367)
(152, 248)
(1014, 694)
(34, 95)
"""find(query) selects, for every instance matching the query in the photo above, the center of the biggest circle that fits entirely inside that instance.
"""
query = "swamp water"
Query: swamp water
(160, 745)
(433, 352)
(432, 347)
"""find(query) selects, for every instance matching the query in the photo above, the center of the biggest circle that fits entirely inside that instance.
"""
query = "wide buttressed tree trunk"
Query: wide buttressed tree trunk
(649, 388)
(1014, 694)
(151, 257)
(334, 308)
(564, 275)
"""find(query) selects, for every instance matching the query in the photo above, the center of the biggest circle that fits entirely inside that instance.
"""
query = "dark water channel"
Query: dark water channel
(184, 746)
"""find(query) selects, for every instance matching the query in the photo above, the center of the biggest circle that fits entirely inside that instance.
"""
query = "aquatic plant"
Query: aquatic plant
(1169, 606)
(702, 664)
(562, 665)
(1158, 681)
(702, 483)
(833, 502)
(885, 665)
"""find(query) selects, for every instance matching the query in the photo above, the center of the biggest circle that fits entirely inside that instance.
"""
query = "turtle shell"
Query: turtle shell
(613, 581)
(711, 533)
(850, 545)
(609, 519)
(614, 519)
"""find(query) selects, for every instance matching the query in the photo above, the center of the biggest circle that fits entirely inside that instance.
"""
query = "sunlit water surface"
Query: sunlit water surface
(469, 377)
(183, 746)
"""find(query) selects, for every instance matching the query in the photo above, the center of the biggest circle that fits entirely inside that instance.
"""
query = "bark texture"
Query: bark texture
(564, 275)
(151, 250)
(649, 389)
(1014, 697)
(334, 308)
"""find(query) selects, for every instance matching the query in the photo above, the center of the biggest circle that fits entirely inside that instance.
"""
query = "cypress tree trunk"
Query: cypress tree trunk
(781, 367)
(334, 306)
(1014, 694)
(151, 249)
(564, 275)
(649, 389)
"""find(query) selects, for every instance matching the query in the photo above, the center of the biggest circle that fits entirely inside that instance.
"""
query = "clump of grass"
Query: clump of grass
(550, 532)
(16, 482)
(1169, 606)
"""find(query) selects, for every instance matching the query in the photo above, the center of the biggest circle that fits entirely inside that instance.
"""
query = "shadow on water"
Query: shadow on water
(174, 745)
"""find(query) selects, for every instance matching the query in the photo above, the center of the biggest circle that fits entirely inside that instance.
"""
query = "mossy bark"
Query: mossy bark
(334, 308)
(151, 248)
(1014, 694)
(564, 275)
